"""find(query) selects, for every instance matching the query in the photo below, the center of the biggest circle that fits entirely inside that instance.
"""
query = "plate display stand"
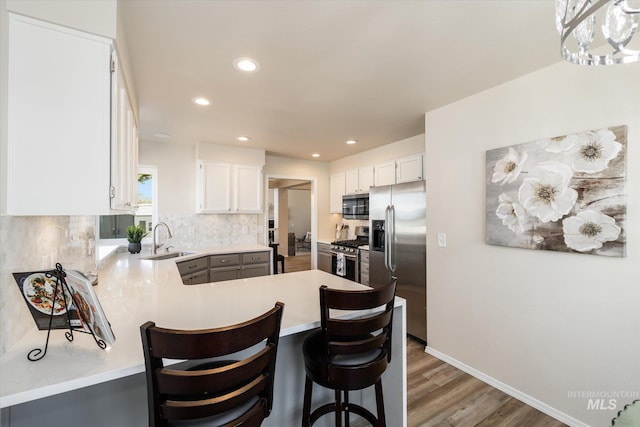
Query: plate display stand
(59, 274)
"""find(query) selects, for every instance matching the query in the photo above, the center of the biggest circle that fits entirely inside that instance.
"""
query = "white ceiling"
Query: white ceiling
(330, 70)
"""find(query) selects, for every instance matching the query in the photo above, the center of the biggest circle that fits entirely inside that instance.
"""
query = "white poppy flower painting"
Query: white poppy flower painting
(564, 194)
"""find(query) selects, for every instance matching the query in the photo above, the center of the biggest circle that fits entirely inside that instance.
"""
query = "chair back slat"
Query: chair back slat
(359, 300)
(222, 377)
(213, 386)
(195, 344)
(361, 326)
(357, 346)
(200, 408)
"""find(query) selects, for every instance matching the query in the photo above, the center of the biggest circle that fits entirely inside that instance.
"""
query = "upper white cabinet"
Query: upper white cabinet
(228, 188)
(248, 194)
(358, 180)
(397, 171)
(385, 173)
(409, 169)
(124, 145)
(58, 120)
(336, 191)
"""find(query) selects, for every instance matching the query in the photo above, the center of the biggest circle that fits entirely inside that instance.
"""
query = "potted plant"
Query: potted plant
(135, 233)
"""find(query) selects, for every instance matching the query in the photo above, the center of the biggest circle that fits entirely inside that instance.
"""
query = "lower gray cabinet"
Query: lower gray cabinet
(324, 257)
(196, 278)
(238, 266)
(221, 274)
(218, 268)
(194, 271)
(364, 267)
(255, 264)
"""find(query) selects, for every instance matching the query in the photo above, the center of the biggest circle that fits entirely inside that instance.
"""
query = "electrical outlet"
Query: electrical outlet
(245, 229)
(192, 231)
(442, 240)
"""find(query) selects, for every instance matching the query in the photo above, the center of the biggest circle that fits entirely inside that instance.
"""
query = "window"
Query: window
(113, 228)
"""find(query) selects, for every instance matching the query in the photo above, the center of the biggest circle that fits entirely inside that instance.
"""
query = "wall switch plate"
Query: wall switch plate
(442, 240)
(245, 229)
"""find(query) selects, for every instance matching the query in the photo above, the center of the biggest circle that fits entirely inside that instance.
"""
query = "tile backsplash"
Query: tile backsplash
(193, 231)
(36, 243)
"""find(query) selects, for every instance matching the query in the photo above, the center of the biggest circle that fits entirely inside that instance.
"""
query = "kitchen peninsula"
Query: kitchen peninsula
(78, 384)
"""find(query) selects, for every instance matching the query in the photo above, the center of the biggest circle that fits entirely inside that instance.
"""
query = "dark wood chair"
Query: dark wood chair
(221, 392)
(349, 354)
(277, 258)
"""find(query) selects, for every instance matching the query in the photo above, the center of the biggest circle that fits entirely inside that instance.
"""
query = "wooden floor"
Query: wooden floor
(441, 395)
(297, 263)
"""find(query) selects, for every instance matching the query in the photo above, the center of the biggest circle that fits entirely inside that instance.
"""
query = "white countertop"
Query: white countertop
(133, 291)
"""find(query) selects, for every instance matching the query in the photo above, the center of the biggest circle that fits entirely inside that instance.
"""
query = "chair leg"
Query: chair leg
(346, 408)
(338, 408)
(380, 404)
(306, 408)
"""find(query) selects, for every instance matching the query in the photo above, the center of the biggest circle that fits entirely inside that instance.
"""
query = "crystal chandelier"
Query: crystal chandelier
(592, 34)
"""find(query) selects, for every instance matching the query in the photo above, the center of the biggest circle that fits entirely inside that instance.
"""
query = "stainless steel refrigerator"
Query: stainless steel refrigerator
(397, 247)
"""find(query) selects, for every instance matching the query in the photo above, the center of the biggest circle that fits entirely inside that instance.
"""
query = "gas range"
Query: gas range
(349, 247)
(345, 246)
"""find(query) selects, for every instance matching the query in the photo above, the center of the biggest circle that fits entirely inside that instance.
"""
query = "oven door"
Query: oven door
(351, 266)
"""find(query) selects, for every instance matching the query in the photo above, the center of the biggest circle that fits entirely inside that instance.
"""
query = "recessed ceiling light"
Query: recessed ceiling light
(243, 138)
(162, 135)
(315, 155)
(246, 65)
(201, 101)
(351, 142)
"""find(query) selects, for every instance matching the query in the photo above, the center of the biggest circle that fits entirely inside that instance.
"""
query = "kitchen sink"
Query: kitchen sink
(168, 255)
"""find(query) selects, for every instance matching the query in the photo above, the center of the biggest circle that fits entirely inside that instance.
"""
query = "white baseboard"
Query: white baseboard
(533, 402)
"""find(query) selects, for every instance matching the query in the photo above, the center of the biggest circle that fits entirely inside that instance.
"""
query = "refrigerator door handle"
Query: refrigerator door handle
(387, 214)
(392, 243)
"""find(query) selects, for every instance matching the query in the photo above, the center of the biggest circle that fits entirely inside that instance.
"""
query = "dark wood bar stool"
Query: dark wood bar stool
(349, 354)
(277, 258)
(220, 392)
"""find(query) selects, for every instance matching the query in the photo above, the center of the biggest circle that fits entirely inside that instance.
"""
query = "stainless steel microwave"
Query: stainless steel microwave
(355, 206)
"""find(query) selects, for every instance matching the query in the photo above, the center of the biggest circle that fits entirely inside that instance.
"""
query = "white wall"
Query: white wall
(299, 212)
(545, 324)
(176, 175)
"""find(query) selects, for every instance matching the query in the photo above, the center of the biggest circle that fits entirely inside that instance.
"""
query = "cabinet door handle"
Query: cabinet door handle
(222, 261)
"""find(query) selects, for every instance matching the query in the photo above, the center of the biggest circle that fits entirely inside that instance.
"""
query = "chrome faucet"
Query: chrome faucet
(155, 247)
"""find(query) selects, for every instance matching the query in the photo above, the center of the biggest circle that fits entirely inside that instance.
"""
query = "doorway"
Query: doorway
(291, 219)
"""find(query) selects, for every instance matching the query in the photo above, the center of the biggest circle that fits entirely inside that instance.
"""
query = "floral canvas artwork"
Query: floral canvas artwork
(561, 194)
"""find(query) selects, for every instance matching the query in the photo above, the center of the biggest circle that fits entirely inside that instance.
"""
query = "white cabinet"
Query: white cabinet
(358, 180)
(409, 169)
(248, 188)
(124, 145)
(406, 169)
(336, 191)
(227, 188)
(58, 120)
(385, 173)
